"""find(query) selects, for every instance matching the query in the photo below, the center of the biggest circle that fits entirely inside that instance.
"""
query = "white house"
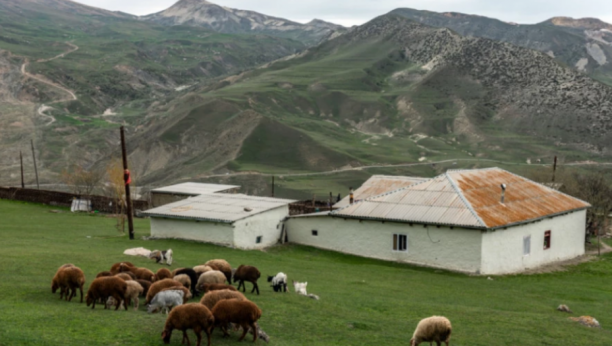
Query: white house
(462, 220)
(234, 220)
(173, 193)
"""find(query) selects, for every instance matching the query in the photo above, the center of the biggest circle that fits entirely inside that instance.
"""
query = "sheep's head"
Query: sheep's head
(270, 278)
(412, 342)
(89, 300)
(166, 334)
(54, 287)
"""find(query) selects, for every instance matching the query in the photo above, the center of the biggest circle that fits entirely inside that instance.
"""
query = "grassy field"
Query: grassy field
(363, 301)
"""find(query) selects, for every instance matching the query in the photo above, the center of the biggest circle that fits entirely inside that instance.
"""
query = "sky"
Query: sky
(355, 12)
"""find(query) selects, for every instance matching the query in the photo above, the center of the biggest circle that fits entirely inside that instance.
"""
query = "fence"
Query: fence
(100, 203)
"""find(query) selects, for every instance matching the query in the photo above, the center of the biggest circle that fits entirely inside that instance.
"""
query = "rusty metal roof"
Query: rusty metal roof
(194, 189)
(223, 208)
(467, 198)
(377, 185)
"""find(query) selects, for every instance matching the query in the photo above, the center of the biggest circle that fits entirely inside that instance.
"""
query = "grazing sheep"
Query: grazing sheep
(143, 274)
(222, 266)
(247, 273)
(121, 267)
(184, 279)
(161, 256)
(55, 281)
(279, 282)
(432, 329)
(201, 269)
(211, 277)
(123, 276)
(68, 279)
(134, 289)
(163, 273)
(190, 316)
(156, 287)
(300, 288)
(104, 287)
(186, 293)
(241, 312)
(145, 286)
(211, 298)
(104, 273)
(192, 276)
(216, 287)
(166, 300)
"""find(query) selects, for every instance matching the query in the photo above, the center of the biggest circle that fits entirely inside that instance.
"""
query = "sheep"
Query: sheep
(186, 293)
(121, 267)
(123, 276)
(432, 329)
(160, 256)
(241, 312)
(211, 277)
(55, 281)
(176, 270)
(68, 279)
(166, 300)
(184, 279)
(279, 282)
(216, 287)
(300, 288)
(247, 273)
(190, 316)
(104, 287)
(156, 287)
(104, 273)
(163, 273)
(211, 298)
(192, 276)
(143, 274)
(201, 269)
(145, 285)
(134, 289)
(222, 266)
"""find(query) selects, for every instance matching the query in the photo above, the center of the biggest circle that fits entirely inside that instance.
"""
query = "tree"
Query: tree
(80, 180)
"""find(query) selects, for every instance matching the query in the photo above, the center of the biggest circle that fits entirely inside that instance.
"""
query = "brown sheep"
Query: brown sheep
(184, 279)
(216, 287)
(104, 287)
(143, 274)
(432, 329)
(123, 276)
(211, 298)
(55, 281)
(163, 273)
(190, 316)
(201, 269)
(247, 273)
(241, 312)
(145, 286)
(104, 273)
(211, 277)
(134, 289)
(156, 287)
(121, 267)
(186, 293)
(69, 279)
(222, 266)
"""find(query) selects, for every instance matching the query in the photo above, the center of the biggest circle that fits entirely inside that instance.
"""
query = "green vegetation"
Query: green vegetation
(363, 301)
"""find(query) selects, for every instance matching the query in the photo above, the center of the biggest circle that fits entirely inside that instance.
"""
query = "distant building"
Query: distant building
(173, 193)
(462, 220)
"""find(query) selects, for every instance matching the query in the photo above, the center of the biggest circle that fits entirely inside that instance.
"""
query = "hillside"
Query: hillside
(583, 44)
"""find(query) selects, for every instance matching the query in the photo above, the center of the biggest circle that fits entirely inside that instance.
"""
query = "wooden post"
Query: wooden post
(330, 201)
(35, 168)
(21, 160)
(272, 186)
(554, 170)
(126, 176)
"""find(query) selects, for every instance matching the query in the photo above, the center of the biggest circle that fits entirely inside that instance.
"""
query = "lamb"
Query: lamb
(432, 329)
(279, 282)
(211, 277)
(247, 273)
(134, 289)
(184, 279)
(143, 274)
(145, 286)
(124, 276)
(160, 256)
(166, 300)
(201, 269)
(68, 279)
(190, 316)
(216, 287)
(192, 276)
(300, 288)
(186, 293)
(222, 266)
(241, 312)
(121, 267)
(163, 273)
(104, 273)
(104, 287)
(156, 287)
(211, 298)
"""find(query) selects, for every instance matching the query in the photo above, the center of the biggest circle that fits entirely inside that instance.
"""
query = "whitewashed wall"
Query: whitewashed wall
(455, 249)
(502, 250)
(217, 233)
(267, 225)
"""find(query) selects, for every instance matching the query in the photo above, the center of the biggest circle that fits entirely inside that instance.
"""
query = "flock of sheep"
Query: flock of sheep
(222, 305)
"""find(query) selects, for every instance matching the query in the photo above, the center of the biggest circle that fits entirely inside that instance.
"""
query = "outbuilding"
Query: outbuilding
(235, 220)
(484, 221)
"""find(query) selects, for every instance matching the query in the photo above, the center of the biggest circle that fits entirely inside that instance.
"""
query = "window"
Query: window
(546, 240)
(258, 240)
(526, 245)
(400, 242)
(315, 233)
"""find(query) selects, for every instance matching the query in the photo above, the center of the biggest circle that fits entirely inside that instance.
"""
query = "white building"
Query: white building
(234, 220)
(460, 220)
(173, 193)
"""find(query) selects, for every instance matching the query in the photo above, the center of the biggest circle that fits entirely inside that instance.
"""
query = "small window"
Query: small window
(546, 240)
(258, 240)
(315, 233)
(526, 245)
(400, 242)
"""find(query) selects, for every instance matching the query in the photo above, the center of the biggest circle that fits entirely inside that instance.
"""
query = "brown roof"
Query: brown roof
(468, 198)
(377, 185)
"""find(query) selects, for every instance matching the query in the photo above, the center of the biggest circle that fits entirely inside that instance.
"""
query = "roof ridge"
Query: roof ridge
(465, 200)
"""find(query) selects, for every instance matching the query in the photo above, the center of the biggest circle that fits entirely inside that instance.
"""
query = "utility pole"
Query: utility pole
(554, 169)
(272, 186)
(35, 168)
(21, 160)
(126, 179)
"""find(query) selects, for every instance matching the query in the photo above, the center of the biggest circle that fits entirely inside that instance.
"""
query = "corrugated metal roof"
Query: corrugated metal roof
(377, 185)
(225, 208)
(194, 189)
(466, 198)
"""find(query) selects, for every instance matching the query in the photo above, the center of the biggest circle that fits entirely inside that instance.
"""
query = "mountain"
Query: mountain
(583, 44)
(228, 20)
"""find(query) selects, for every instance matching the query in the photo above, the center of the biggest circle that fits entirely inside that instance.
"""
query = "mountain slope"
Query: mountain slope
(228, 20)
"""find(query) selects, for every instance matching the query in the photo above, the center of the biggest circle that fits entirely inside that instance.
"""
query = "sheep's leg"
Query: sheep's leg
(209, 333)
(126, 302)
(186, 338)
(254, 328)
(72, 294)
(224, 330)
(198, 333)
(81, 289)
(245, 329)
(256, 287)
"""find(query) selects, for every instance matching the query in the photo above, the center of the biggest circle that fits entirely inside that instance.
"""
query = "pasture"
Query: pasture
(363, 301)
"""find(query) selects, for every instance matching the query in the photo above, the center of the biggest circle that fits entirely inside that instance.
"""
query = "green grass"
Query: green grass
(363, 301)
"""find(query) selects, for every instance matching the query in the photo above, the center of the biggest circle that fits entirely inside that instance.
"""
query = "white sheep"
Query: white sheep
(300, 288)
(166, 300)
(279, 282)
(432, 329)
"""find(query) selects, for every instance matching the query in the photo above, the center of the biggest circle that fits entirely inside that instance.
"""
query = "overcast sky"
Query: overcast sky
(360, 11)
